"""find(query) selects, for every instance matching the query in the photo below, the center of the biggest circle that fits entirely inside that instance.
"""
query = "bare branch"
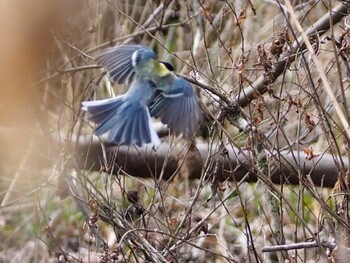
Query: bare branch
(260, 85)
(145, 162)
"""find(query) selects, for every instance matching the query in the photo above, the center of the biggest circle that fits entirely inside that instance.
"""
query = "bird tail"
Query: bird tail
(126, 123)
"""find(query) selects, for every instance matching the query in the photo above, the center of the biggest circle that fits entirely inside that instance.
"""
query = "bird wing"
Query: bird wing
(177, 107)
(120, 61)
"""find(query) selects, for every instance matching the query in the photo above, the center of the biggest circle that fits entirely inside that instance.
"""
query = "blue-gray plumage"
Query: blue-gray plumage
(126, 118)
(156, 91)
(176, 106)
(124, 61)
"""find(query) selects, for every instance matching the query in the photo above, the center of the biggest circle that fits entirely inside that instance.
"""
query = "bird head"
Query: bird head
(164, 69)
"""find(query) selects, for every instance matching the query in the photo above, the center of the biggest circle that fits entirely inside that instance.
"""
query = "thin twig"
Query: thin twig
(301, 245)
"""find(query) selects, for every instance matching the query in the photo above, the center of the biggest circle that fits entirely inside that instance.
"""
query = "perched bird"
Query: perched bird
(155, 92)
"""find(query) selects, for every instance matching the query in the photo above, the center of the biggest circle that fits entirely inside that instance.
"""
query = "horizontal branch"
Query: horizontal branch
(302, 245)
(146, 162)
(290, 246)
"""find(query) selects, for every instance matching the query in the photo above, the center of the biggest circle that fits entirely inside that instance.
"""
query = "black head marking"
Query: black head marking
(168, 66)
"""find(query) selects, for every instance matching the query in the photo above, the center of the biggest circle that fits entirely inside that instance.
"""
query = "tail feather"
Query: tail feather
(134, 133)
(111, 122)
(125, 122)
(101, 106)
(103, 113)
(115, 134)
(136, 130)
(133, 130)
